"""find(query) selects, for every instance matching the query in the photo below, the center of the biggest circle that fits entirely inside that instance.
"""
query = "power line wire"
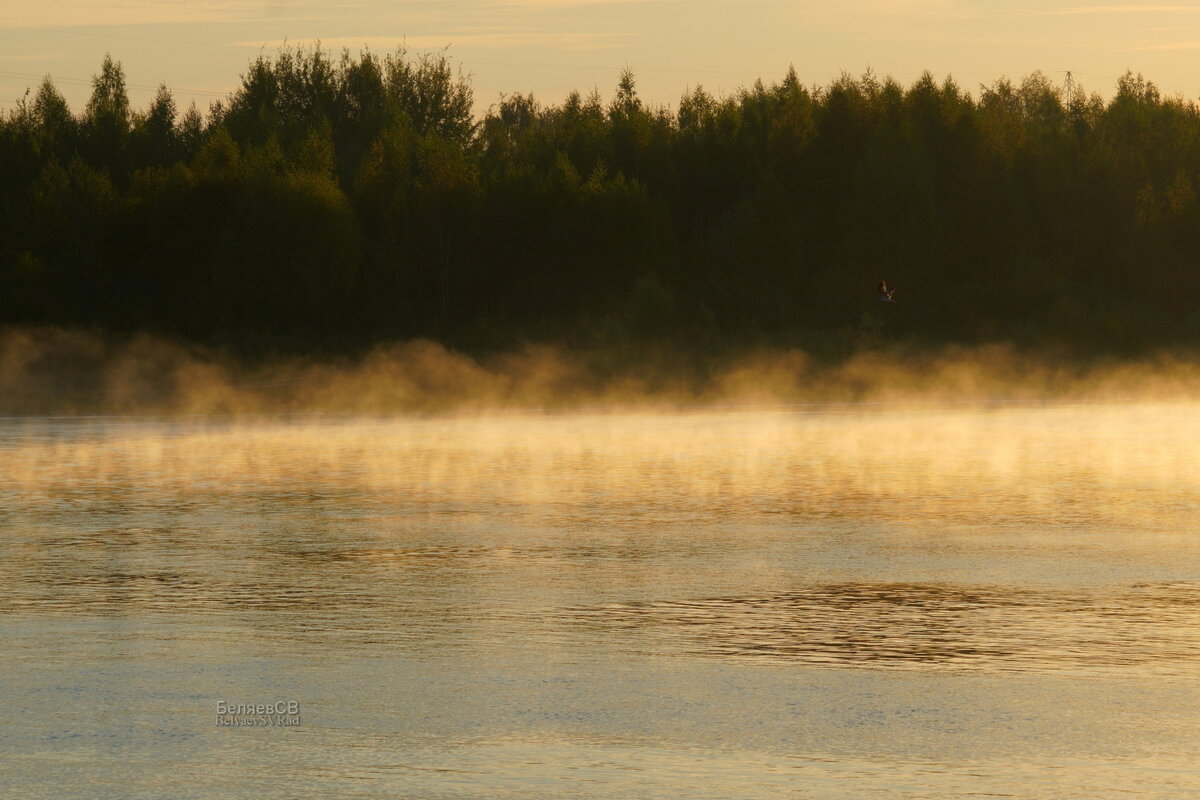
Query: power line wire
(151, 39)
(88, 82)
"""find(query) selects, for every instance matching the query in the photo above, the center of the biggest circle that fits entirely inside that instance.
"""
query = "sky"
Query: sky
(200, 48)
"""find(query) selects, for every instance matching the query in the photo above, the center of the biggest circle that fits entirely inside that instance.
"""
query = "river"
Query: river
(816, 602)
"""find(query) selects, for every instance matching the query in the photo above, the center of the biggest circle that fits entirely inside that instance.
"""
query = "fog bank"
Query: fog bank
(52, 371)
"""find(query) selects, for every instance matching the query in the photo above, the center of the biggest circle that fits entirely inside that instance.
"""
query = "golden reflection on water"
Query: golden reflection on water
(1027, 539)
(1074, 462)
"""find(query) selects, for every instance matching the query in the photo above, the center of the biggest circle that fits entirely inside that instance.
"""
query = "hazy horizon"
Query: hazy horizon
(552, 47)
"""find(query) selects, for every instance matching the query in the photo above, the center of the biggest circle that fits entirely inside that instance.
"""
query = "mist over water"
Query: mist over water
(639, 557)
(839, 601)
(51, 371)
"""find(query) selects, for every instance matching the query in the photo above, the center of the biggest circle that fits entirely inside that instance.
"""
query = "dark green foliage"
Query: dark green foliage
(334, 202)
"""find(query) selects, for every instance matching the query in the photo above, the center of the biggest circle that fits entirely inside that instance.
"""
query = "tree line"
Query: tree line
(334, 201)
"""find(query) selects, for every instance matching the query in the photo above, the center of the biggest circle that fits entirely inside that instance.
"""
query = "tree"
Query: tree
(106, 119)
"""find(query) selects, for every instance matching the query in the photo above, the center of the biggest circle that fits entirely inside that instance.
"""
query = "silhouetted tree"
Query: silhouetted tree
(349, 198)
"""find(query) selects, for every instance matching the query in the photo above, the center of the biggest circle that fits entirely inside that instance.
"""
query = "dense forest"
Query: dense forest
(332, 202)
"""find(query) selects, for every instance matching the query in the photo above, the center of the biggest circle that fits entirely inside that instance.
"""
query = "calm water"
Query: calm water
(796, 603)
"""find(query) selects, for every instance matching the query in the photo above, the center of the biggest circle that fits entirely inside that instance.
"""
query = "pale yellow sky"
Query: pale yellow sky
(549, 47)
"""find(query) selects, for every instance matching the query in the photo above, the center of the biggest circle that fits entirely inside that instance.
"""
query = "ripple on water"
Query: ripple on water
(1154, 627)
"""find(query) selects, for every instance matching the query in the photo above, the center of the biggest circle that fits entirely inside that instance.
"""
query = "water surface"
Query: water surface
(825, 603)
